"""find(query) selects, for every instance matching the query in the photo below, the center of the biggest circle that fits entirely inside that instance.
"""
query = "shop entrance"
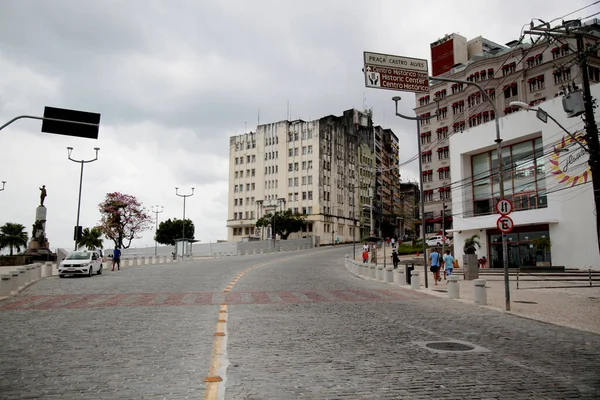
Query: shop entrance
(521, 251)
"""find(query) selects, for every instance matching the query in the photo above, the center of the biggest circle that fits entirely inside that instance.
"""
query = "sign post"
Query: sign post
(505, 224)
(385, 71)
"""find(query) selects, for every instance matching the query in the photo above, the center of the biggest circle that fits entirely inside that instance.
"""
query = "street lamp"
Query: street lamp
(396, 99)
(500, 174)
(183, 222)
(156, 226)
(82, 162)
(3, 183)
(543, 116)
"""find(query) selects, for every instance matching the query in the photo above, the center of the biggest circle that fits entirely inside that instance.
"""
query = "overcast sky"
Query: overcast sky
(175, 79)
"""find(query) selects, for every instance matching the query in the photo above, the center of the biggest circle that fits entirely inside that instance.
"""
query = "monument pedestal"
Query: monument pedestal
(38, 245)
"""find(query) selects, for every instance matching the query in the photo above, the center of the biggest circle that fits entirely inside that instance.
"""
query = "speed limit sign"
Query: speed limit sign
(505, 224)
(504, 207)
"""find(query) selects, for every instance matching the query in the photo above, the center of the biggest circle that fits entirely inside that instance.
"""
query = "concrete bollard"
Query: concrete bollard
(29, 273)
(14, 278)
(453, 287)
(22, 276)
(372, 271)
(169, 259)
(398, 276)
(47, 269)
(479, 293)
(38, 271)
(6, 286)
(389, 275)
(415, 280)
(380, 272)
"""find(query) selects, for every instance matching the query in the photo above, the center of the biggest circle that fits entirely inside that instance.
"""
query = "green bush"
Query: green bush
(405, 249)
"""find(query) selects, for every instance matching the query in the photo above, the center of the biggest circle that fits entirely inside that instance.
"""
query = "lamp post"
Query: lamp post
(183, 222)
(419, 119)
(3, 183)
(500, 174)
(82, 162)
(158, 210)
(543, 116)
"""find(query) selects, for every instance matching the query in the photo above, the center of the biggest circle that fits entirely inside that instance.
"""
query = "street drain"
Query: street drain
(449, 346)
(524, 302)
(440, 290)
(454, 346)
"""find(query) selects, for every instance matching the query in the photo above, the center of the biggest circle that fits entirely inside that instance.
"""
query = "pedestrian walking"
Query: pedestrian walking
(395, 258)
(365, 256)
(366, 247)
(448, 264)
(116, 259)
(435, 257)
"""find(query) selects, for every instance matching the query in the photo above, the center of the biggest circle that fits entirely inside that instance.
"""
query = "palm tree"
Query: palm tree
(13, 235)
(91, 238)
(471, 243)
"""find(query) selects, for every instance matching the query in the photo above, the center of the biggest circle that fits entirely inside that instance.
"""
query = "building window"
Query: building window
(593, 72)
(295, 181)
(443, 153)
(444, 173)
(426, 137)
(536, 83)
(426, 157)
(310, 164)
(426, 119)
(524, 177)
(310, 195)
(510, 90)
(443, 113)
(310, 179)
(564, 50)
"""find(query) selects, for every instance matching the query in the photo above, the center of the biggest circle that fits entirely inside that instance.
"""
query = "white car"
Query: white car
(437, 241)
(81, 263)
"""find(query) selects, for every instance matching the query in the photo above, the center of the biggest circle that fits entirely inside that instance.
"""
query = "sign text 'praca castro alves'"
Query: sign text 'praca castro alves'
(384, 71)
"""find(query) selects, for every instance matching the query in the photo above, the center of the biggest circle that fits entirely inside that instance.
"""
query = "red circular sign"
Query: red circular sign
(505, 224)
(504, 207)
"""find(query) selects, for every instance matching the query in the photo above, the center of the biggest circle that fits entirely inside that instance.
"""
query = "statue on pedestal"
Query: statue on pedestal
(39, 243)
(42, 195)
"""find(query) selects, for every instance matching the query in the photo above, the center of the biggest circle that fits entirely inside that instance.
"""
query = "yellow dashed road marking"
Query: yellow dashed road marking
(219, 345)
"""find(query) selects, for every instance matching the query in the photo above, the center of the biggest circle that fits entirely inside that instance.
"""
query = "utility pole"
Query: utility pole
(159, 209)
(443, 227)
(591, 130)
(573, 29)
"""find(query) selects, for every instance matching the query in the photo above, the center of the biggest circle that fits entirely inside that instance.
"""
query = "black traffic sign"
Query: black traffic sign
(63, 121)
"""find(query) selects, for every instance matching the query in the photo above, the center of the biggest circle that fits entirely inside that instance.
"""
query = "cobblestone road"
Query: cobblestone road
(299, 327)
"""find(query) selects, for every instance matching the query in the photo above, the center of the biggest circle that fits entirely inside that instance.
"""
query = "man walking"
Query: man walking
(448, 264)
(116, 259)
(434, 257)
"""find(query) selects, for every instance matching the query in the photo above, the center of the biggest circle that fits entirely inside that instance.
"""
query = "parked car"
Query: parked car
(80, 263)
(437, 241)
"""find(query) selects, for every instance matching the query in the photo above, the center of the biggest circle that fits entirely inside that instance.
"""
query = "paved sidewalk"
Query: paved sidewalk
(574, 307)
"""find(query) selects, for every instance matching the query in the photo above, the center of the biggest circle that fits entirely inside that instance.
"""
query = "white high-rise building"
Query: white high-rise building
(309, 167)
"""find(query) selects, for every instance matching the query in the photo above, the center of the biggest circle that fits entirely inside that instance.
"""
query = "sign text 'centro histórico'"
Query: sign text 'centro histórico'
(384, 71)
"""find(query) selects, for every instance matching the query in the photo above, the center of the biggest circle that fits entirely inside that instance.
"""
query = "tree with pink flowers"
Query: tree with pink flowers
(123, 219)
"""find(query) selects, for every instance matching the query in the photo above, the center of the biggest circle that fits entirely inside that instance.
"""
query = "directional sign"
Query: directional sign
(384, 71)
(505, 224)
(504, 207)
(71, 122)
